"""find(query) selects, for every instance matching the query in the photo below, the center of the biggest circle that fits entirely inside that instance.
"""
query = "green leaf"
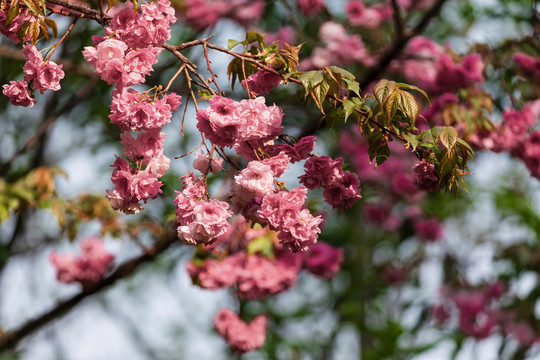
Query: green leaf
(12, 12)
(412, 140)
(411, 87)
(204, 94)
(383, 89)
(350, 106)
(383, 153)
(430, 136)
(52, 25)
(231, 43)
(342, 73)
(333, 118)
(391, 106)
(23, 30)
(262, 245)
(255, 36)
(32, 6)
(33, 31)
(409, 106)
(352, 85)
(310, 79)
(448, 137)
(319, 94)
(375, 141)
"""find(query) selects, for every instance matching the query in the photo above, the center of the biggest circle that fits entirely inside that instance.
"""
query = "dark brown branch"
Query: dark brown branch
(399, 44)
(83, 9)
(10, 339)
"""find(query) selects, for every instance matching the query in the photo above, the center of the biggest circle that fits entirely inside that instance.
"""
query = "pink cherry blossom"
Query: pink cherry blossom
(323, 260)
(241, 336)
(17, 91)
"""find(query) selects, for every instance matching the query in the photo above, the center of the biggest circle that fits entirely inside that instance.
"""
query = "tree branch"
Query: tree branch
(10, 339)
(399, 44)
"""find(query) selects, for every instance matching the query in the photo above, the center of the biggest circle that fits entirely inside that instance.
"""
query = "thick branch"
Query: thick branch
(11, 338)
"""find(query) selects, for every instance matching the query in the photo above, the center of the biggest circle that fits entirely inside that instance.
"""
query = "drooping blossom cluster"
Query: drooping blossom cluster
(125, 56)
(86, 269)
(241, 336)
(340, 49)
(137, 181)
(199, 221)
(428, 229)
(251, 260)
(430, 67)
(41, 75)
(201, 14)
(341, 188)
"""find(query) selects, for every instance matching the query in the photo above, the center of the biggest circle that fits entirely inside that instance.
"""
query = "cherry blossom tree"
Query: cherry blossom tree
(327, 140)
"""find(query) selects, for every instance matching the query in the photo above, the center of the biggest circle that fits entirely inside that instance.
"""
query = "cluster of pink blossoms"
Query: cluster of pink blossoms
(199, 221)
(262, 82)
(204, 13)
(433, 69)
(241, 336)
(42, 75)
(340, 49)
(514, 135)
(86, 269)
(133, 111)
(480, 312)
(528, 64)
(125, 56)
(229, 123)
(251, 127)
(252, 261)
(341, 188)
(425, 178)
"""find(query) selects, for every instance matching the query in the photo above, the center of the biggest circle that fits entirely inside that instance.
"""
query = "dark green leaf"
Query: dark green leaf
(12, 12)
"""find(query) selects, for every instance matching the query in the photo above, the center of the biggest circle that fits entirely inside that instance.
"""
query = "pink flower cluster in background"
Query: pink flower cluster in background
(369, 17)
(481, 312)
(43, 75)
(201, 14)
(241, 336)
(86, 269)
(514, 134)
(430, 67)
(340, 49)
(528, 64)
